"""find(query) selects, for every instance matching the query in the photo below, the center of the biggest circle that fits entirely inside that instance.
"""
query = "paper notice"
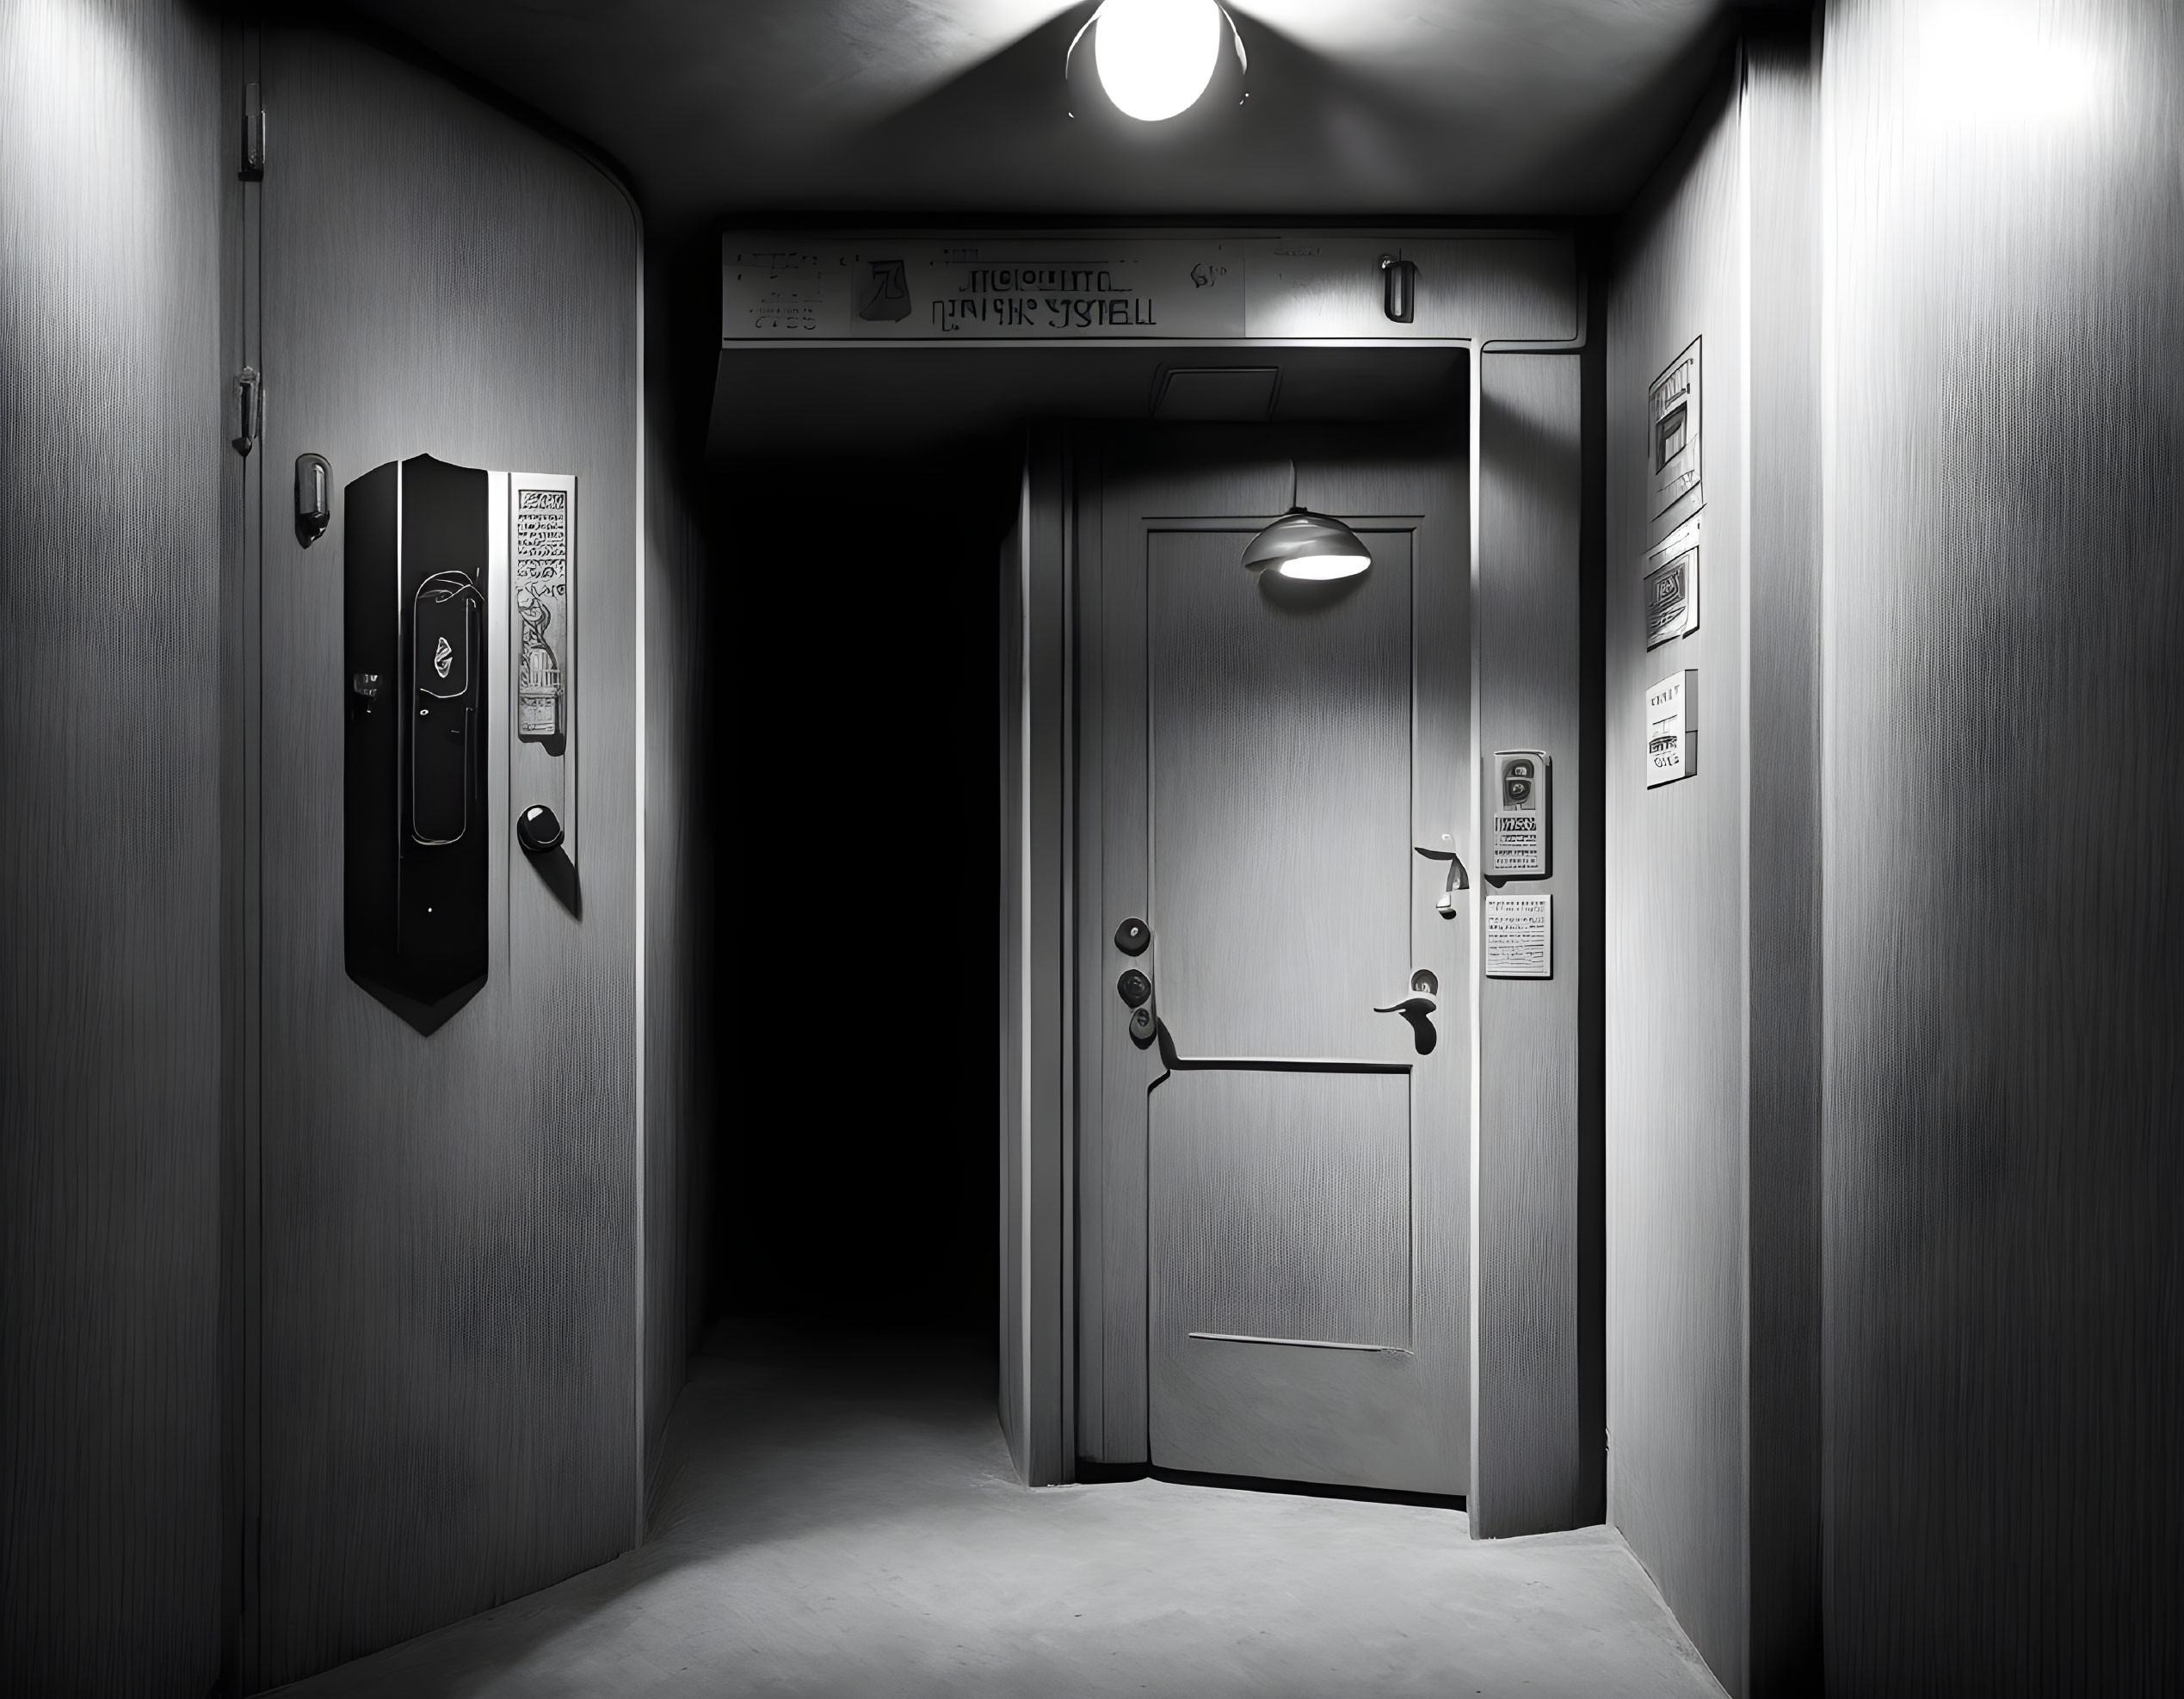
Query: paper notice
(1520, 938)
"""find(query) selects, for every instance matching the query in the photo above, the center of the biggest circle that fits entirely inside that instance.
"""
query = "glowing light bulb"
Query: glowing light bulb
(1318, 567)
(1156, 57)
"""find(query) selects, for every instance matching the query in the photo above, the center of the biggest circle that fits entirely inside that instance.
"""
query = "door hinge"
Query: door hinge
(253, 167)
(250, 409)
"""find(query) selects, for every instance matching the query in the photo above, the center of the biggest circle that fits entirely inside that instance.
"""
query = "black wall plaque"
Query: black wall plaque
(416, 834)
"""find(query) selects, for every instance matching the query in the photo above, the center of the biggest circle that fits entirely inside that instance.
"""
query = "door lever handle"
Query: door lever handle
(314, 499)
(1424, 998)
(1458, 879)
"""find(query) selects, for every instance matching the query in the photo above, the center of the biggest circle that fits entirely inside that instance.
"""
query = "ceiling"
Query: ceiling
(728, 109)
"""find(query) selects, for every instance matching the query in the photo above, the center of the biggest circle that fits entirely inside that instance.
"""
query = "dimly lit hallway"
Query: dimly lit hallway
(845, 1520)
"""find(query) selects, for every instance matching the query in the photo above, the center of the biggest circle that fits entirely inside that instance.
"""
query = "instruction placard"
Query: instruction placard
(1520, 938)
(1671, 728)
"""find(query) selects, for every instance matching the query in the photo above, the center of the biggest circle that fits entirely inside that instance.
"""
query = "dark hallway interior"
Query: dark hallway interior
(854, 635)
(1090, 846)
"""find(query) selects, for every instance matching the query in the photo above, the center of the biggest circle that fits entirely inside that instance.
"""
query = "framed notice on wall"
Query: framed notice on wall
(1519, 933)
(1672, 585)
(1673, 438)
(1672, 728)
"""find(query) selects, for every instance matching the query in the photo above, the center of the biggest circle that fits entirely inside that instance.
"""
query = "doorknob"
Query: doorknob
(1424, 997)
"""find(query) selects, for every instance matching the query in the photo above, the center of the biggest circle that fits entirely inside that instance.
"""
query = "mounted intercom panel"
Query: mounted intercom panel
(417, 668)
(1516, 814)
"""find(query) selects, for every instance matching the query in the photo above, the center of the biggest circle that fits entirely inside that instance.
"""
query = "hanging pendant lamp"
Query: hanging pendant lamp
(1302, 544)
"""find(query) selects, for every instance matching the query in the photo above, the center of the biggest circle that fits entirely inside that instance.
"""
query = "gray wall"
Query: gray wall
(1536, 1461)
(1037, 1127)
(1712, 1038)
(449, 1365)
(1917, 897)
(1781, 99)
(679, 863)
(2005, 926)
(111, 462)
(1677, 934)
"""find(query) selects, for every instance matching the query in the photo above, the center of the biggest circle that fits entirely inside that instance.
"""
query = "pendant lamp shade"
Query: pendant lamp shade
(1306, 545)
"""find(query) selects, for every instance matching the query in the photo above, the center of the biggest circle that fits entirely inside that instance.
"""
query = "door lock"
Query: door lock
(1143, 1025)
(1133, 936)
(1133, 988)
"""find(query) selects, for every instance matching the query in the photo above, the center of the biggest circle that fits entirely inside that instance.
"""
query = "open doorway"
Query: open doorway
(852, 634)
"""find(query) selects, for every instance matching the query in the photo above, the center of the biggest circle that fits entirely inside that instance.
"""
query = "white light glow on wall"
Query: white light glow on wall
(1156, 57)
(2005, 66)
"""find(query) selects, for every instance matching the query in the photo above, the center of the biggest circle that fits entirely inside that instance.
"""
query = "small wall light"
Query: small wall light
(1155, 57)
(1302, 544)
(1306, 545)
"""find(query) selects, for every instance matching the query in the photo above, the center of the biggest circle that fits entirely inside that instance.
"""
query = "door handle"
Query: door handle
(1458, 879)
(314, 499)
(1424, 998)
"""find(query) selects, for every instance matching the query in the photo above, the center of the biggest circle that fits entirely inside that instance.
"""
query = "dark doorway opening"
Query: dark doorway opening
(856, 777)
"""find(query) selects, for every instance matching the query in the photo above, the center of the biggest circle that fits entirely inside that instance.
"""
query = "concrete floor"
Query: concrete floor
(844, 1520)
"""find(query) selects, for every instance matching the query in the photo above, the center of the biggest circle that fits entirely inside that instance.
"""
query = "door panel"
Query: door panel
(1285, 1170)
(1281, 1206)
(1281, 755)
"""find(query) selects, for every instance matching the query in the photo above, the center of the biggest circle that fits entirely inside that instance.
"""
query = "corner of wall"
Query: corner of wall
(1712, 1008)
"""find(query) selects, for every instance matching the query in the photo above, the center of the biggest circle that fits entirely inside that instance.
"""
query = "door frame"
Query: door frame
(1538, 1438)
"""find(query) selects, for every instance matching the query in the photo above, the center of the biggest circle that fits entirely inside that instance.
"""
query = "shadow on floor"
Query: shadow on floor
(840, 1518)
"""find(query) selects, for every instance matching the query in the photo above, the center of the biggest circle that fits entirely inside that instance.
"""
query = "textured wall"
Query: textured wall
(679, 908)
(1779, 110)
(1713, 999)
(111, 455)
(448, 1292)
(1536, 1439)
(1676, 935)
(2005, 927)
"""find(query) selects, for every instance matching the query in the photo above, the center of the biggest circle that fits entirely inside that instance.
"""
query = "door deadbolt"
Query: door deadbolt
(1133, 936)
(1133, 988)
(1142, 1026)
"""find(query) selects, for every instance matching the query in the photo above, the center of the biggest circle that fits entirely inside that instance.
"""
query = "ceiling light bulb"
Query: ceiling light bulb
(1156, 57)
